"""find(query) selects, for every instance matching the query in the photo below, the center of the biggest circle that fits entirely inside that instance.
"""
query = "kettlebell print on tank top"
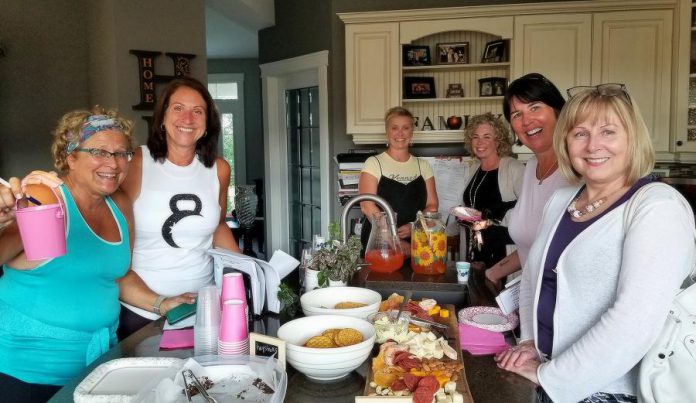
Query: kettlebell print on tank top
(178, 215)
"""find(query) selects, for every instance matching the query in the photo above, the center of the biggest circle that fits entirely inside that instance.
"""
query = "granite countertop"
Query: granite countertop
(486, 381)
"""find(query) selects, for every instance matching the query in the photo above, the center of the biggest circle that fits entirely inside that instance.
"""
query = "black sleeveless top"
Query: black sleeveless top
(405, 199)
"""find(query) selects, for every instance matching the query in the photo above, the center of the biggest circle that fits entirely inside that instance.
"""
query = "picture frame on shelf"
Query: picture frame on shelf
(495, 52)
(492, 86)
(416, 55)
(419, 87)
(453, 53)
(455, 90)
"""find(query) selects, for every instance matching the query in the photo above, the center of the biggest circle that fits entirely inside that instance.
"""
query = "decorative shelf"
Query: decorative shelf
(419, 137)
(450, 67)
(464, 99)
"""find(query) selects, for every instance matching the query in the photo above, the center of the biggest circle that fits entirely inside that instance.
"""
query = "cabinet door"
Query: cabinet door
(557, 46)
(634, 48)
(372, 75)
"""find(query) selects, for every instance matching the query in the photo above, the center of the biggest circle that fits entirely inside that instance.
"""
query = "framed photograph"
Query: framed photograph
(492, 86)
(416, 55)
(495, 52)
(453, 53)
(455, 90)
(419, 87)
(267, 346)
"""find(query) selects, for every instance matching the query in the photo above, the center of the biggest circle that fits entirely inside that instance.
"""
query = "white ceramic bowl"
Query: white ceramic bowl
(322, 301)
(325, 363)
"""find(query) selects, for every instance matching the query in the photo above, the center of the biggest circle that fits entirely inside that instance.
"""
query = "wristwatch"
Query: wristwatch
(158, 302)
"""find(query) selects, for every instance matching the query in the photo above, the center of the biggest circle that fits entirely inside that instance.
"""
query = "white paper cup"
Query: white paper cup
(463, 272)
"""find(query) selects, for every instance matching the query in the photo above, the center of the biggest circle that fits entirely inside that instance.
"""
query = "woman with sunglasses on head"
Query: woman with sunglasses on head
(60, 314)
(531, 105)
(178, 185)
(611, 254)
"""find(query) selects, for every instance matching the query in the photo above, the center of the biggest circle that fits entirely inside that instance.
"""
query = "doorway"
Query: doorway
(227, 91)
(278, 80)
(304, 166)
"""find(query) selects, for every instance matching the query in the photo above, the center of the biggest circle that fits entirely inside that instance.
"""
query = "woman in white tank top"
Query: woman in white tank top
(179, 188)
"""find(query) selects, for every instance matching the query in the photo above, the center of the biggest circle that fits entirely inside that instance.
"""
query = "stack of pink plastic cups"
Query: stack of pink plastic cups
(234, 334)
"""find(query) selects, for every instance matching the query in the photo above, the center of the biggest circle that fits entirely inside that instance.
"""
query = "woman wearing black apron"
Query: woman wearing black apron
(404, 181)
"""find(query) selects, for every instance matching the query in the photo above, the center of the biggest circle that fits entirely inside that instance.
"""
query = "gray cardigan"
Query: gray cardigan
(615, 284)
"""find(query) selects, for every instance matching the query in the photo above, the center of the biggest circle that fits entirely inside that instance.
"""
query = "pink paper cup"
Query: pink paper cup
(233, 287)
(42, 229)
(233, 325)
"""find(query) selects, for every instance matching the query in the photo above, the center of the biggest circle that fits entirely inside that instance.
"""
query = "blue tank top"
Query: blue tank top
(65, 311)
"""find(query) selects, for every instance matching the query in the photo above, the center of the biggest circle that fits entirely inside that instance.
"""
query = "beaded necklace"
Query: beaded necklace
(589, 207)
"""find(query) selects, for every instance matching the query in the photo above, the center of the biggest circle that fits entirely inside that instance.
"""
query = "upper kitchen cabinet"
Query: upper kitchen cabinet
(635, 48)
(636, 42)
(559, 46)
(629, 47)
(373, 58)
(685, 123)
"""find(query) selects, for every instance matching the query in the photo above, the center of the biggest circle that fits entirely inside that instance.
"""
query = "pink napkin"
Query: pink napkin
(479, 341)
(177, 338)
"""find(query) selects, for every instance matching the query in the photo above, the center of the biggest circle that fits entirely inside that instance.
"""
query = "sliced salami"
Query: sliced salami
(398, 385)
(411, 381)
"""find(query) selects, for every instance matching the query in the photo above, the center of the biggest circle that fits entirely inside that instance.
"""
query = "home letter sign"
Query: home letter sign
(148, 78)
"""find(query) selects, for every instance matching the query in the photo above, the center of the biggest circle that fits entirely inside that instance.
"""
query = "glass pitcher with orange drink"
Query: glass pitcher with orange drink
(383, 250)
(428, 244)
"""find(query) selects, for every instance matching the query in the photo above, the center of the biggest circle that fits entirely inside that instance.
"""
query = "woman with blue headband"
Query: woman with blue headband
(60, 314)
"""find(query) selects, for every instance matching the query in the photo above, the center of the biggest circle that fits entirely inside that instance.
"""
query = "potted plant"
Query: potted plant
(336, 261)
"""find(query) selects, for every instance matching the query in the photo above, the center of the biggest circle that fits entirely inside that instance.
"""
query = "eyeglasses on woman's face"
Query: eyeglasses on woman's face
(101, 154)
(605, 90)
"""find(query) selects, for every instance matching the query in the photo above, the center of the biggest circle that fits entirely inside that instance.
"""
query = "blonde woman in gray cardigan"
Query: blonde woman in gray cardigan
(609, 257)
(493, 188)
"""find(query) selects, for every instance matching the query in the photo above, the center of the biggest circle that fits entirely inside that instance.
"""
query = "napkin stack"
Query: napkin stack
(264, 276)
(479, 341)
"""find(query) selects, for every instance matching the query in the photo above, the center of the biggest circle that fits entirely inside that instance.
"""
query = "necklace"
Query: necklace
(472, 200)
(475, 187)
(542, 177)
(589, 207)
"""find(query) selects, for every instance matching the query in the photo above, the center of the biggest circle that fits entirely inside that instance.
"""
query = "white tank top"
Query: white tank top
(176, 215)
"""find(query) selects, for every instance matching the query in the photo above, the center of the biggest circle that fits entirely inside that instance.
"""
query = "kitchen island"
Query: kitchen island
(486, 382)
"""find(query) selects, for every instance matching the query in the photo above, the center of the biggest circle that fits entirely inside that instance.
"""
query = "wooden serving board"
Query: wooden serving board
(453, 335)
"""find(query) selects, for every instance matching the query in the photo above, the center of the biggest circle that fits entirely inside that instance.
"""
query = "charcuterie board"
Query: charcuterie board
(452, 334)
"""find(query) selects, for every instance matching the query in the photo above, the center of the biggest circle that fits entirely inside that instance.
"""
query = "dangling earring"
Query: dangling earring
(387, 144)
(205, 133)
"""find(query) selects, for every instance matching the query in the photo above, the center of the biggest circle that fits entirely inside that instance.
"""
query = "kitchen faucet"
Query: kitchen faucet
(367, 197)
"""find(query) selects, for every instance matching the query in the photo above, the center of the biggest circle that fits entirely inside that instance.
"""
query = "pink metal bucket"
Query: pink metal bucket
(42, 229)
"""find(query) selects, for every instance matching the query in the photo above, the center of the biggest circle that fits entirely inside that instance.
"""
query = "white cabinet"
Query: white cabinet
(374, 74)
(635, 48)
(559, 46)
(373, 59)
(629, 47)
(685, 117)
(641, 43)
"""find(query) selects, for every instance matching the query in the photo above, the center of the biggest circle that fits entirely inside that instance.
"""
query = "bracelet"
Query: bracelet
(156, 305)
